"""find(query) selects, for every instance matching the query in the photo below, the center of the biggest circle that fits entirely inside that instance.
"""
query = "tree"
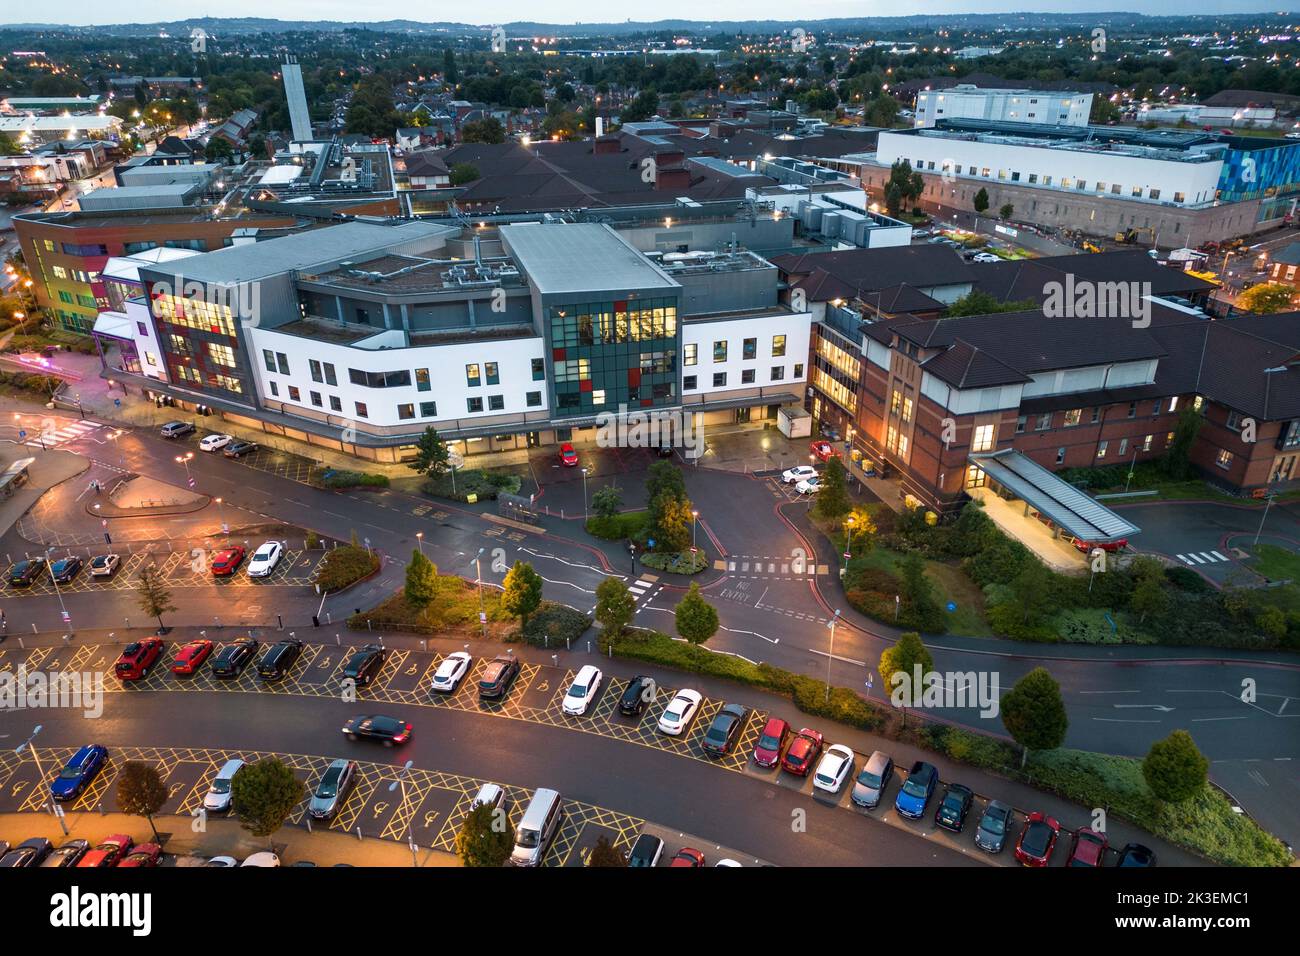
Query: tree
(1267, 298)
(521, 592)
(449, 72)
(903, 187)
(664, 477)
(421, 581)
(979, 302)
(141, 791)
(605, 854)
(263, 795)
(1007, 210)
(881, 110)
(152, 596)
(614, 606)
(606, 502)
(640, 109)
(1177, 459)
(218, 150)
(1031, 588)
(697, 620)
(859, 529)
(982, 200)
(916, 591)
(1149, 595)
(462, 173)
(833, 496)
(1175, 769)
(486, 837)
(431, 454)
(1034, 713)
(670, 523)
(486, 130)
(902, 659)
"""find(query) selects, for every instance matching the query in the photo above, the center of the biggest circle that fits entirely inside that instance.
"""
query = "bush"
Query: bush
(551, 625)
(977, 750)
(484, 485)
(345, 565)
(331, 478)
(42, 385)
(454, 608)
(681, 562)
(619, 527)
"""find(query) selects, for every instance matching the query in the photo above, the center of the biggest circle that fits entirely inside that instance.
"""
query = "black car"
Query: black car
(387, 730)
(238, 449)
(1137, 855)
(724, 730)
(278, 659)
(65, 569)
(28, 853)
(233, 658)
(365, 664)
(995, 824)
(23, 573)
(646, 851)
(67, 855)
(633, 701)
(498, 677)
(952, 810)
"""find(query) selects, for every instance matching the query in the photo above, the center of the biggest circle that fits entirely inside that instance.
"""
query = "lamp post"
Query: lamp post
(478, 579)
(30, 744)
(848, 545)
(185, 460)
(831, 656)
(225, 528)
(584, 493)
(419, 539)
(695, 515)
(67, 618)
(1268, 503)
(410, 823)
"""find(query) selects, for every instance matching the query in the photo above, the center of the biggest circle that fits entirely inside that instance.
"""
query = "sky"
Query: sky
(569, 11)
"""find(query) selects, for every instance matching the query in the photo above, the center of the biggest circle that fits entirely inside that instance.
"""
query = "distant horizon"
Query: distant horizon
(561, 13)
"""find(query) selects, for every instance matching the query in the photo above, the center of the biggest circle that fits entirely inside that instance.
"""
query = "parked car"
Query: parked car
(680, 711)
(218, 797)
(451, 671)
(262, 858)
(568, 457)
(28, 853)
(215, 442)
(142, 854)
(823, 450)
(771, 742)
(233, 658)
(68, 854)
(798, 473)
(78, 773)
(25, 572)
(279, 658)
(107, 852)
(191, 655)
(104, 565)
(227, 561)
(537, 828)
(489, 795)
(498, 677)
(646, 851)
(65, 569)
(917, 789)
(138, 658)
(582, 691)
(1136, 855)
(387, 730)
(333, 789)
(1087, 848)
(1037, 839)
(802, 753)
(809, 486)
(264, 559)
(833, 769)
(724, 731)
(688, 857)
(995, 824)
(633, 701)
(176, 429)
(952, 809)
(239, 449)
(872, 781)
(364, 665)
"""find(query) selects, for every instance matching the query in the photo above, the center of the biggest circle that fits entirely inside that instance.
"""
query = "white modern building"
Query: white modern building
(965, 101)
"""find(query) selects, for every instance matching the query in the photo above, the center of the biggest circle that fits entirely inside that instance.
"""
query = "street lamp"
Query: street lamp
(185, 460)
(1268, 503)
(848, 546)
(695, 515)
(584, 493)
(67, 618)
(410, 823)
(30, 744)
(831, 656)
(419, 539)
(478, 579)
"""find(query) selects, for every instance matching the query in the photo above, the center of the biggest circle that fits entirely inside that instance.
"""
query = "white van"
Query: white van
(537, 829)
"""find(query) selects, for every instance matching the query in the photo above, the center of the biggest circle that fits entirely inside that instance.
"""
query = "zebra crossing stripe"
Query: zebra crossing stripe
(1183, 558)
(1197, 558)
(1219, 556)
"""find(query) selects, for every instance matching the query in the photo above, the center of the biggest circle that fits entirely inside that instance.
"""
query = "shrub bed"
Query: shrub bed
(345, 565)
(677, 562)
(484, 485)
(331, 478)
(454, 609)
(552, 625)
(619, 527)
(41, 385)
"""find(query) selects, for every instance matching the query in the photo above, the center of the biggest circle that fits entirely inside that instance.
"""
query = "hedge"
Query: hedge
(552, 625)
(677, 562)
(344, 565)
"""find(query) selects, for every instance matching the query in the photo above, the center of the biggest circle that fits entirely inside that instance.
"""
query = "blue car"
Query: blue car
(915, 793)
(77, 774)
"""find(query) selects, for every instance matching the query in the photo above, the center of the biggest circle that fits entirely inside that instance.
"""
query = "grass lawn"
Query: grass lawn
(454, 609)
(1276, 564)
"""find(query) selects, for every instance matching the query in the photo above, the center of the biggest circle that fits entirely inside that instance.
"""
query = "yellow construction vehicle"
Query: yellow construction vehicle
(1089, 246)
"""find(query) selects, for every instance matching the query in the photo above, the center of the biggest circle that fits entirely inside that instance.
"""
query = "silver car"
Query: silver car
(332, 789)
(872, 781)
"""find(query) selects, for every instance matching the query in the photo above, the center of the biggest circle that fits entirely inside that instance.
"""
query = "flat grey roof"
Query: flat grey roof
(315, 248)
(571, 257)
(1085, 518)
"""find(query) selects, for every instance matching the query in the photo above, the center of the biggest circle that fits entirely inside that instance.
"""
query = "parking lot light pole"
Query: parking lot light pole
(478, 577)
(584, 493)
(30, 744)
(695, 517)
(410, 823)
(831, 656)
(848, 546)
(57, 590)
(1268, 503)
(419, 540)
(185, 460)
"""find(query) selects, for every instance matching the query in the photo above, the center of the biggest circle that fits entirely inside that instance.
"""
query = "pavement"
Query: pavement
(49, 469)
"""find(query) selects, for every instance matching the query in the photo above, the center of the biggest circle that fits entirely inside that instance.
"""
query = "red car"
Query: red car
(1088, 848)
(823, 450)
(687, 856)
(802, 753)
(568, 457)
(108, 851)
(1037, 839)
(143, 854)
(138, 658)
(771, 742)
(191, 656)
(227, 561)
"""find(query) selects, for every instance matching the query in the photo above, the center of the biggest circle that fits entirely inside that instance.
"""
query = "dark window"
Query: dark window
(283, 361)
(330, 378)
(405, 412)
(746, 376)
(688, 383)
(317, 400)
(269, 358)
(749, 349)
(294, 394)
(798, 370)
(315, 368)
(719, 379)
(778, 373)
(496, 402)
(539, 369)
(335, 404)
(362, 411)
(275, 390)
(428, 409)
(476, 404)
(533, 399)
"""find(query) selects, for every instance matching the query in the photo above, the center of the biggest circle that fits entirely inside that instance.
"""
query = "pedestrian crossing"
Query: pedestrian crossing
(50, 436)
(641, 585)
(1193, 558)
(764, 566)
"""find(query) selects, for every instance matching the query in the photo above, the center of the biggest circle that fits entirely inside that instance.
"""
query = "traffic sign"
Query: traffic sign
(191, 482)
(67, 618)
(482, 617)
(952, 606)
(22, 433)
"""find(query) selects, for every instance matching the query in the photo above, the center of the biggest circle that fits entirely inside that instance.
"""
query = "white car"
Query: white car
(677, 715)
(985, 257)
(834, 768)
(582, 691)
(265, 559)
(264, 858)
(449, 673)
(809, 486)
(104, 565)
(214, 442)
(727, 862)
(218, 796)
(798, 473)
(222, 861)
